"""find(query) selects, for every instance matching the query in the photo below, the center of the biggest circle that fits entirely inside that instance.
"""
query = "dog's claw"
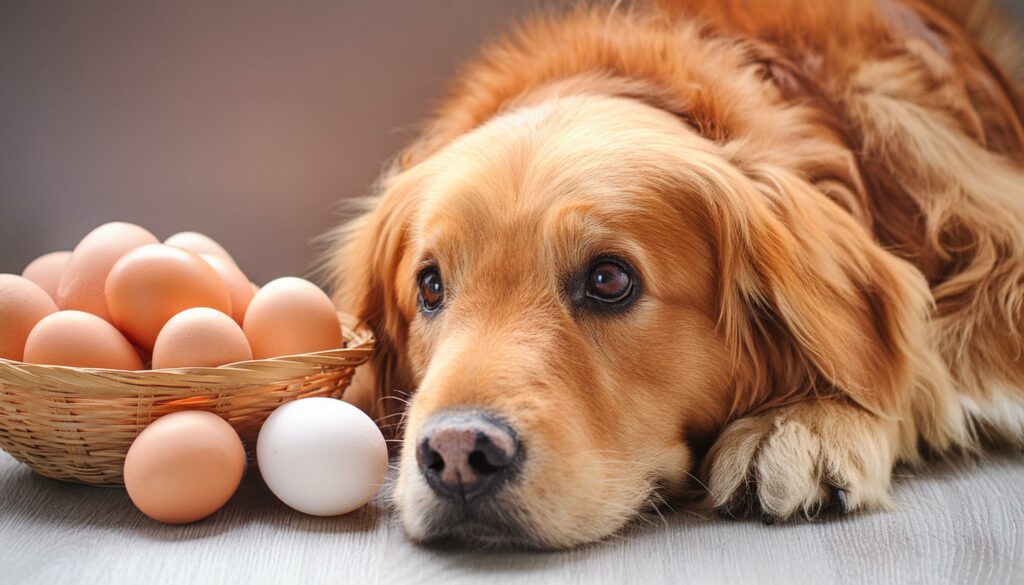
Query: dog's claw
(810, 514)
(767, 518)
(840, 499)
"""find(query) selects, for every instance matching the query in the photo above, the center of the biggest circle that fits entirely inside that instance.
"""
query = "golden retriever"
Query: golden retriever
(765, 251)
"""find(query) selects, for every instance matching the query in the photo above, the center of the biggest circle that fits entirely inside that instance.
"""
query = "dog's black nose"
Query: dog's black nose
(467, 455)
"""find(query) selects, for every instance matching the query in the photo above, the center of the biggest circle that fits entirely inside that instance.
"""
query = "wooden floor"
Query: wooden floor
(955, 524)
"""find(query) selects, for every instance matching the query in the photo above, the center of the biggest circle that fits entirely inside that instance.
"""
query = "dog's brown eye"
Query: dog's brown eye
(431, 290)
(609, 282)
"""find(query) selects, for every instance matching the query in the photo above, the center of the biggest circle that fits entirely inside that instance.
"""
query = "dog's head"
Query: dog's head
(578, 293)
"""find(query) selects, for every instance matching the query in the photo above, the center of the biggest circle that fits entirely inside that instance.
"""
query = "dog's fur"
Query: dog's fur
(824, 201)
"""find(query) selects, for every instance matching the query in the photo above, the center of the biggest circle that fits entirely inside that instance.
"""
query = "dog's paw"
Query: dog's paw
(804, 458)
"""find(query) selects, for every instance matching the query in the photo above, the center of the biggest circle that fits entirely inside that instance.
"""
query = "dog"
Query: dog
(758, 252)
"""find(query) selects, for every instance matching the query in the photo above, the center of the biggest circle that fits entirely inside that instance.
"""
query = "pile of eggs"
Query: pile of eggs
(122, 299)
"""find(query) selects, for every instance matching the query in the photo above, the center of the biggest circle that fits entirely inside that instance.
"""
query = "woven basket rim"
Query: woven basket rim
(359, 345)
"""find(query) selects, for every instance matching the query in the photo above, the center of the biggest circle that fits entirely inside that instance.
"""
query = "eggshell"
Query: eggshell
(184, 466)
(200, 337)
(238, 285)
(200, 244)
(22, 305)
(322, 456)
(46, 271)
(151, 284)
(82, 340)
(82, 283)
(291, 316)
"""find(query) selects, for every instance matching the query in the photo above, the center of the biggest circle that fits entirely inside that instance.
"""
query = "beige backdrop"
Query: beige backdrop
(247, 120)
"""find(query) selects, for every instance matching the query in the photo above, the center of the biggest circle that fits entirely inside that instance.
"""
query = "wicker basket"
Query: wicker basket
(76, 424)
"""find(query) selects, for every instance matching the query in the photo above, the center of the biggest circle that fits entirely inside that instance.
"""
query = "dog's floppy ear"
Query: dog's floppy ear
(365, 261)
(809, 300)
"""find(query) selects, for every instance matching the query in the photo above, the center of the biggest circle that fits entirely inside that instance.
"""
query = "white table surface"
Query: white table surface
(961, 523)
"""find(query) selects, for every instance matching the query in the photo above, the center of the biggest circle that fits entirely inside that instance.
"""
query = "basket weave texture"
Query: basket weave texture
(76, 424)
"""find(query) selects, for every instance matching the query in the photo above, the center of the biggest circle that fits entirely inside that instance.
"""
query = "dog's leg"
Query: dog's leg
(807, 457)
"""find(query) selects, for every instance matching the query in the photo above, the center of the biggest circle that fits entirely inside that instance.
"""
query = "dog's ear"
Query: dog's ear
(364, 264)
(809, 299)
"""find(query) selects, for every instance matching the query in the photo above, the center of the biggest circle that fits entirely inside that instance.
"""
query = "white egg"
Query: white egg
(322, 456)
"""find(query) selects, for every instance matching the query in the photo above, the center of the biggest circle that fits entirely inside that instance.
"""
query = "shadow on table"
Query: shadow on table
(481, 562)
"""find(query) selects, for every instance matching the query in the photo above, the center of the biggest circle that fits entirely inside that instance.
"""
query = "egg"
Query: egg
(22, 305)
(82, 283)
(200, 244)
(151, 284)
(184, 467)
(322, 456)
(82, 340)
(238, 285)
(291, 316)
(200, 337)
(46, 271)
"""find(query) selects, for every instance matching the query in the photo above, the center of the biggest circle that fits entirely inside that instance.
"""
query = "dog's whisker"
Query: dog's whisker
(662, 501)
(392, 415)
(699, 482)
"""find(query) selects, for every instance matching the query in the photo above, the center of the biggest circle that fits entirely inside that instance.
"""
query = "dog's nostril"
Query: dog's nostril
(436, 462)
(480, 464)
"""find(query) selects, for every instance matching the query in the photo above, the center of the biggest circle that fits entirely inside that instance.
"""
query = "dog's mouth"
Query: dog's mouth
(495, 524)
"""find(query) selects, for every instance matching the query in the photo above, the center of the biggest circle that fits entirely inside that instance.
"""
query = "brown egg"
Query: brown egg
(46, 271)
(200, 337)
(184, 466)
(82, 284)
(200, 244)
(238, 285)
(151, 284)
(22, 305)
(291, 316)
(82, 340)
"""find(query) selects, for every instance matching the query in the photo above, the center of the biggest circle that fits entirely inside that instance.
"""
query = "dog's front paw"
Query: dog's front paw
(808, 457)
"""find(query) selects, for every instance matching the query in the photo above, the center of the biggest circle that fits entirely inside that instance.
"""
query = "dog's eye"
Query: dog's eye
(609, 282)
(431, 290)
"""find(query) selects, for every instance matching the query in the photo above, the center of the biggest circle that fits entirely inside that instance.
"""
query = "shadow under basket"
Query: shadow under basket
(76, 424)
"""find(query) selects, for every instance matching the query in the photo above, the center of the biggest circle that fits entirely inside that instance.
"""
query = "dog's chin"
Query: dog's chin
(499, 522)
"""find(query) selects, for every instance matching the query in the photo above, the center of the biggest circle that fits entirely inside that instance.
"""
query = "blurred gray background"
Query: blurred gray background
(245, 120)
(248, 121)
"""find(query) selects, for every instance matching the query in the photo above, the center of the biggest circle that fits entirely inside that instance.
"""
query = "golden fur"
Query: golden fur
(825, 205)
